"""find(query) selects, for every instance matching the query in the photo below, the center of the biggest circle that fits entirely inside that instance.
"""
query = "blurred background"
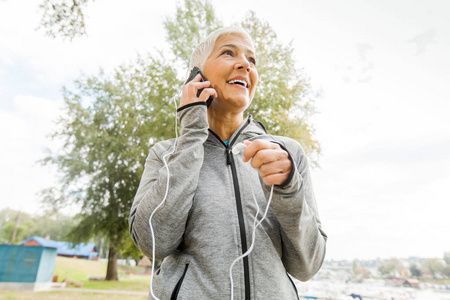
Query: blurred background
(378, 75)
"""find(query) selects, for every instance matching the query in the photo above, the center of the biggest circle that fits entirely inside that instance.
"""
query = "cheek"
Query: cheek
(255, 77)
(218, 80)
(255, 83)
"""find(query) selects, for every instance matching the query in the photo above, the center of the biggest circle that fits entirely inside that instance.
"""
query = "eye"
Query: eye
(227, 52)
(252, 60)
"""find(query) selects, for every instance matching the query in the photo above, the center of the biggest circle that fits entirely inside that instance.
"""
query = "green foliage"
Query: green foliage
(8, 223)
(63, 18)
(192, 22)
(282, 100)
(433, 266)
(6, 236)
(415, 271)
(128, 249)
(391, 266)
(55, 225)
(108, 126)
(447, 258)
(386, 269)
(446, 271)
(355, 267)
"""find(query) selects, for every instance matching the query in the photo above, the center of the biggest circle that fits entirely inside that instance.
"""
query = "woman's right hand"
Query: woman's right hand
(189, 92)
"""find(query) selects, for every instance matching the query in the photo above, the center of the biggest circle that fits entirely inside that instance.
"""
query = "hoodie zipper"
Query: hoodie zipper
(241, 223)
(240, 213)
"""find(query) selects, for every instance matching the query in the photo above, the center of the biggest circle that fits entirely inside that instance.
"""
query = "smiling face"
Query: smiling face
(231, 69)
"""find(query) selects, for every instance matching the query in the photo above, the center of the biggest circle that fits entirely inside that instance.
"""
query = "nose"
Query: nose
(243, 63)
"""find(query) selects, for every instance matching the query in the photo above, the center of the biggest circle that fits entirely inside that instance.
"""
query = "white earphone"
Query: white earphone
(238, 148)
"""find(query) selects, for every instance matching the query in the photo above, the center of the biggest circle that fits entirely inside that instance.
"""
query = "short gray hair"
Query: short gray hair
(205, 47)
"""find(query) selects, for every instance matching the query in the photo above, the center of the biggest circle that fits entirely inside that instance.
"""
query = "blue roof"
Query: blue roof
(66, 248)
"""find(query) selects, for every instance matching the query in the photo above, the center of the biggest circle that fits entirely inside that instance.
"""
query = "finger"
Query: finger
(266, 156)
(277, 167)
(255, 146)
(206, 93)
(193, 87)
(189, 92)
(275, 179)
(263, 156)
(197, 78)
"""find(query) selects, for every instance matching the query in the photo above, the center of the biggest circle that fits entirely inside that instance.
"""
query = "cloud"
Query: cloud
(362, 49)
(423, 40)
(24, 132)
(356, 71)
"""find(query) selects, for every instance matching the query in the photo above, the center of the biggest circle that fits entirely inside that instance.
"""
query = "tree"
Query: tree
(391, 267)
(192, 22)
(415, 271)
(386, 268)
(54, 224)
(447, 257)
(446, 271)
(283, 101)
(14, 226)
(356, 268)
(111, 121)
(359, 273)
(106, 142)
(433, 266)
(283, 97)
(63, 18)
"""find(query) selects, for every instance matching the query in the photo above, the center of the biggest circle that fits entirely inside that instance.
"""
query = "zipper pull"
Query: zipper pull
(229, 156)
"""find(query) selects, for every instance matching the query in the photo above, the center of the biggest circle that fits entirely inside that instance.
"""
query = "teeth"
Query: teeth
(238, 81)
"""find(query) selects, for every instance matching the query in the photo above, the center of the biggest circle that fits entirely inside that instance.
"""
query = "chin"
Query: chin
(243, 104)
(233, 102)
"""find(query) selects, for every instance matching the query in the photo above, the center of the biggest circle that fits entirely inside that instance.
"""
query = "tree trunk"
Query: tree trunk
(111, 269)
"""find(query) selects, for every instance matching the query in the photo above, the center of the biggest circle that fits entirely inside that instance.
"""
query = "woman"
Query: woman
(207, 219)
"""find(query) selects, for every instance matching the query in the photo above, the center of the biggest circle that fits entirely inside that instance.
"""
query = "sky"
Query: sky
(381, 70)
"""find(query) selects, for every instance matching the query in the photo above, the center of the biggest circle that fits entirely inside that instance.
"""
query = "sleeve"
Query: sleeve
(184, 167)
(295, 207)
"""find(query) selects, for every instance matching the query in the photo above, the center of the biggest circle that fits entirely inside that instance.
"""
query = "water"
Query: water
(373, 289)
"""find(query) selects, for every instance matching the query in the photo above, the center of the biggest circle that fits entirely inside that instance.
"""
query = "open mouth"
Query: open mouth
(239, 82)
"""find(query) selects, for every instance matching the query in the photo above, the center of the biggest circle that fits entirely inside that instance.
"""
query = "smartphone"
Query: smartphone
(192, 75)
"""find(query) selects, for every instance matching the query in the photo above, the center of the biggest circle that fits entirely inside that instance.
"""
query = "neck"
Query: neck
(224, 125)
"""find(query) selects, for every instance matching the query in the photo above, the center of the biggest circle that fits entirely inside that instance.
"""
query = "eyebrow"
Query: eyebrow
(235, 47)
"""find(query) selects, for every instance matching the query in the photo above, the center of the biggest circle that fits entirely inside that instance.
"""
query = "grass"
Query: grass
(80, 269)
(64, 295)
(133, 283)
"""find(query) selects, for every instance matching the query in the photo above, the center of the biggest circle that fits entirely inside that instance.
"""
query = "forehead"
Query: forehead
(235, 41)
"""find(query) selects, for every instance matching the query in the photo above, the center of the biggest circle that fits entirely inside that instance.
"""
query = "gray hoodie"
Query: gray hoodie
(207, 219)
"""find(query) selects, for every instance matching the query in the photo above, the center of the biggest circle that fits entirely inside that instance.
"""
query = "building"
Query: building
(146, 264)
(26, 268)
(82, 250)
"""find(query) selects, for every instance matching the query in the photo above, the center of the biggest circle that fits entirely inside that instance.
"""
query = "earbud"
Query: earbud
(238, 148)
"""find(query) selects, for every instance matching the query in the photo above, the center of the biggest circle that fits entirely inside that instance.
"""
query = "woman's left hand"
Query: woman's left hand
(272, 161)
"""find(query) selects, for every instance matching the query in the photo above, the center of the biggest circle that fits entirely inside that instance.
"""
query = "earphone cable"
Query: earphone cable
(162, 202)
(255, 225)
